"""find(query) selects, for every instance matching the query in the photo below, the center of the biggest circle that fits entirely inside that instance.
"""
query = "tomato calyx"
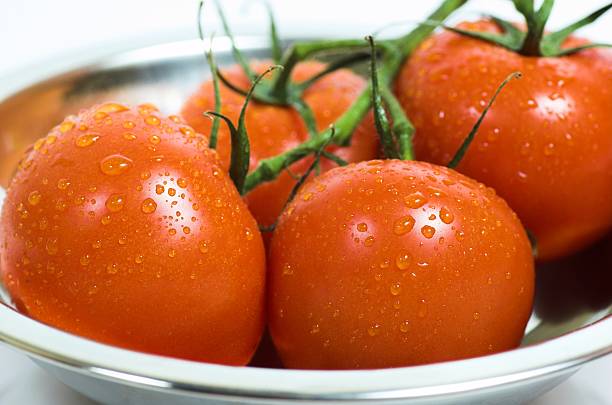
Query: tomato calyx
(241, 151)
(397, 50)
(534, 41)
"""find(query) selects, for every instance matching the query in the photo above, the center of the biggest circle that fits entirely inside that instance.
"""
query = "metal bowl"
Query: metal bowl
(570, 324)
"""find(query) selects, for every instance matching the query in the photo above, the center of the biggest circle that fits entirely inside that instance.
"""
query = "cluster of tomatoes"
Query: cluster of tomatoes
(123, 226)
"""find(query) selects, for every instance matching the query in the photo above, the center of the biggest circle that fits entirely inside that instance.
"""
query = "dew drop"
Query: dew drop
(182, 183)
(115, 202)
(395, 288)
(362, 227)
(111, 108)
(403, 260)
(66, 126)
(369, 241)
(187, 230)
(112, 268)
(203, 246)
(149, 206)
(374, 330)
(154, 139)
(114, 165)
(171, 192)
(159, 189)
(428, 231)
(549, 149)
(249, 234)
(84, 260)
(172, 253)
(446, 215)
(152, 120)
(415, 200)
(139, 259)
(307, 196)
(287, 270)
(63, 184)
(105, 220)
(34, 198)
(476, 316)
(403, 225)
(51, 247)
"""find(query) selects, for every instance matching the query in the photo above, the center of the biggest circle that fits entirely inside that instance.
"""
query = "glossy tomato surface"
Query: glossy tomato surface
(395, 263)
(121, 226)
(273, 130)
(545, 146)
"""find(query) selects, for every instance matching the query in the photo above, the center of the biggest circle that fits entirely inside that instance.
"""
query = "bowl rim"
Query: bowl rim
(53, 346)
(149, 371)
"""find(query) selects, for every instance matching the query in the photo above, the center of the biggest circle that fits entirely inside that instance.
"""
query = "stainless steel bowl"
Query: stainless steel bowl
(570, 324)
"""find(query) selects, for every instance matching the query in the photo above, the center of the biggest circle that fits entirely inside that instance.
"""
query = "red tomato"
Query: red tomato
(545, 146)
(273, 130)
(396, 263)
(121, 226)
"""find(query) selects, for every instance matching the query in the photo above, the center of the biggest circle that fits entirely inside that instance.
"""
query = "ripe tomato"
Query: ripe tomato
(121, 226)
(395, 263)
(545, 146)
(273, 130)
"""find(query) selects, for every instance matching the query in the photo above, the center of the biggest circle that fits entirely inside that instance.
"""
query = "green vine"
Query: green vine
(535, 41)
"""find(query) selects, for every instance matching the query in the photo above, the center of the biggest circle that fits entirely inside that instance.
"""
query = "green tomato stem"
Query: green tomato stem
(345, 125)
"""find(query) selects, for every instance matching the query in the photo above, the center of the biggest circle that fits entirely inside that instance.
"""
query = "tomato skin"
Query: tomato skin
(545, 146)
(96, 246)
(273, 130)
(358, 280)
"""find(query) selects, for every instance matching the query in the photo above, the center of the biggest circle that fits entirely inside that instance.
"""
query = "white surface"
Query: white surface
(34, 31)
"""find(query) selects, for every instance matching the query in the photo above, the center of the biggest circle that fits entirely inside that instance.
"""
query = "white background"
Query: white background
(43, 32)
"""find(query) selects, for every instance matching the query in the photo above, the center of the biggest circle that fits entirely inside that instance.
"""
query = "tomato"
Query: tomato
(121, 226)
(273, 129)
(395, 263)
(545, 146)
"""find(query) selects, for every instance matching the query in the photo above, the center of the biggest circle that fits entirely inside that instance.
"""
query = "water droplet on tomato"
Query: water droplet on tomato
(415, 200)
(395, 288)
(63, 184)
(403, 225)
(149, 206)
(181, 182)
(428, 231)
(115, 202)
(66, 126)
(287, 270)
(446, 215)
(152, 120)
(34, 198)
(84, 260)
(374, 330)
(403, 260)
(114, 165)
(111, 108)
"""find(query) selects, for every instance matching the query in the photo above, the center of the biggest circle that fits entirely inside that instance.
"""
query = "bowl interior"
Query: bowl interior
(571, 293)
